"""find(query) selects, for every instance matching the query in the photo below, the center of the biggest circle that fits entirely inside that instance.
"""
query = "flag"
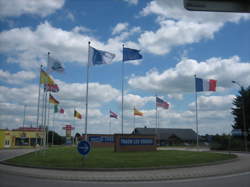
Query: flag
(55, 108)
(61, 111)
(137, 112)
(131, 54)
(161, 103)
(77, 115)
(205, 85)
(113, 115)
(51, 88)
(45, 78)
(54, 65)
(52, 100)
(98, 57)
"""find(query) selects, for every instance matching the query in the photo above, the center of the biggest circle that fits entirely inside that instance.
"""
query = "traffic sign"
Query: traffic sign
(83, 147)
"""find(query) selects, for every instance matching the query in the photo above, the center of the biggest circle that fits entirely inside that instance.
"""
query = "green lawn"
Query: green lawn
(68, 157)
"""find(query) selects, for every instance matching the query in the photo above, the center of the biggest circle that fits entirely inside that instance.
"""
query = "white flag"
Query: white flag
(54, 65)
(98, 57)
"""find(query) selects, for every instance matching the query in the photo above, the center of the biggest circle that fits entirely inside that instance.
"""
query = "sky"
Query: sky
(176, 44)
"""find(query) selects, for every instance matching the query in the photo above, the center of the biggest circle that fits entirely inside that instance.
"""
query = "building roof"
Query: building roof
(165, 133)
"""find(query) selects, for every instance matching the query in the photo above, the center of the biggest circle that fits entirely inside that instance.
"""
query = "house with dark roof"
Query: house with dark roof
(167, 136)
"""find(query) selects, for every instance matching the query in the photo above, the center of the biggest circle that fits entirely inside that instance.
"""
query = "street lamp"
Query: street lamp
(243, 115)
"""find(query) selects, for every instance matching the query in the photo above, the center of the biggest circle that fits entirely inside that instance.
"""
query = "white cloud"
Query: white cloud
(132, 2)
(37, 7)
(179, 26)
(31, 46)
(131, 101)
(16, 78)
(181, 78)
(119, 28)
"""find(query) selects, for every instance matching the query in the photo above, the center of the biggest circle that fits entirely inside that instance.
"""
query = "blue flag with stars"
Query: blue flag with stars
(131, 54)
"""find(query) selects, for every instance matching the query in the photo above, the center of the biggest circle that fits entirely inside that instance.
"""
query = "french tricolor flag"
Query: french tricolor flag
(205, 85)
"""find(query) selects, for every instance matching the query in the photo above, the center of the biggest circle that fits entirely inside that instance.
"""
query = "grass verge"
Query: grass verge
(68, 157)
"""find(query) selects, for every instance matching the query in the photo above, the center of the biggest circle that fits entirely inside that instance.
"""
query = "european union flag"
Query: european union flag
(131, 54)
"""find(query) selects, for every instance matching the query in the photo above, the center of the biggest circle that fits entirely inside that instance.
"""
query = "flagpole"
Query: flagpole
(42, 124)
(156, 130)
(48, 125)
(196, 115)
(109, 122)
(38, 101)
(87, 94)
(45, 118)
(53, 128)
(134, 118)
(122, 86)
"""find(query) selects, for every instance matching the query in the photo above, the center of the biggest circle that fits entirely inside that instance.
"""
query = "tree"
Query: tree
(242, 104)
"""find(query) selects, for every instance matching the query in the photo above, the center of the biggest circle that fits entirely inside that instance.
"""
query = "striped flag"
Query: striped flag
(161, 103)
(52, 100)
(77, 115)
(113, 115)
(205, 85)
(137, 112)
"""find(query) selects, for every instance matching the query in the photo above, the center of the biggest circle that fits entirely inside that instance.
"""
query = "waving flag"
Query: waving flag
(45, 78)
(77, 115)
(161, 103)
(98, 57)
(61, 111)
(113, 115)
(137, 112)
(205, 85)
(51, 88)
(52, 100)
(55, 108)
(131, 54)
(54, 65)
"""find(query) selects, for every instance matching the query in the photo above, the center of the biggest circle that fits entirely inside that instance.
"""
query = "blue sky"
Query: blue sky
(175, 44)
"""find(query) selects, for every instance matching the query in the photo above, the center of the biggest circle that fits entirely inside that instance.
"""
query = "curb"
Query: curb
(123, 169)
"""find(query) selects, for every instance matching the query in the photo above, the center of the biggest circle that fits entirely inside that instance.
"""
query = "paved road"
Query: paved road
(240, 180)
(11, 153)
(240, 165)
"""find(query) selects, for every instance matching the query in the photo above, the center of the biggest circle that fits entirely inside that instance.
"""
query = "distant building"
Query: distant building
(167, 136)
(21, 137)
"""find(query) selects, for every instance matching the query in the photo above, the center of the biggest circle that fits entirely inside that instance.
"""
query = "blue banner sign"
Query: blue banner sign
(106, 139)
(83, 147)
(136, 141)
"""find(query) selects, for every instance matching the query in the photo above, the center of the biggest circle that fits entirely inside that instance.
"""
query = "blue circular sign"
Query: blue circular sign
(83, 147)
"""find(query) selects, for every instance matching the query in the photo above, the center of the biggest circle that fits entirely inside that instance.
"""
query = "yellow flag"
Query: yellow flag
(45, 78)
(137, 112)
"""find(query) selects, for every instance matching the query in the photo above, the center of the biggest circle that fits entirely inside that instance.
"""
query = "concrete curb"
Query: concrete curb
(123, 169)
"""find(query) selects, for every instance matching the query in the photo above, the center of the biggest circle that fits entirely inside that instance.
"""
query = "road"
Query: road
(240, 180)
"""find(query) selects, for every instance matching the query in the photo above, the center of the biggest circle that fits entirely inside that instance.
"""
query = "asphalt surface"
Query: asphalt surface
(239, 180)
(240, 165)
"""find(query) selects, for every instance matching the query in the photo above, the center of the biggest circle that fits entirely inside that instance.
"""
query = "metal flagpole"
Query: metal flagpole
(87, 94)
(122, 86)
(134, 118)
(24, 114)
(109, 123)
(196, 115)
(48, 125)
(52, 143)
(42, 124)
(45, 118)
(38, 102)
(156, 111)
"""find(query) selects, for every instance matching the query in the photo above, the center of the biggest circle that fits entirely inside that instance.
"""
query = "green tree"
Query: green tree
(242, 104)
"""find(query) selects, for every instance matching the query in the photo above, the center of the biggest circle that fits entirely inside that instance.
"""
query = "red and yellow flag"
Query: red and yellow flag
(137, 112)
(45, 78)
(77, 115)
(52, 100)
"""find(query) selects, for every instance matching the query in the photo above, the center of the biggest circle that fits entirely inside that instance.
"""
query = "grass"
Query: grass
(68, 157)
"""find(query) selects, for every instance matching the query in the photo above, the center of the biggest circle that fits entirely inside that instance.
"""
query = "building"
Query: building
(21, 137)
(167, 136)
